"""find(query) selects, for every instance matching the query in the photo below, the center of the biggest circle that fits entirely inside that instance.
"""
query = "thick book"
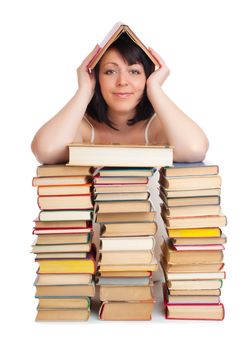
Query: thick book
(179, 183)
(194, 221)
(65, 202)
(63, 314)
(113, 35)
(125, 217)
(128, 229)
(189, 169)
(71, 290)
(127, 243)
(68, 190)
(64, 303)
(62, 170)
(60, 180)
(125, 293)
(120, 155)
(123, 206)
(86, 265)
(126, 310)
(64, 238)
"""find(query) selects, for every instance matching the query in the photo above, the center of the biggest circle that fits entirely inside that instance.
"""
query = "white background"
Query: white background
(206, 45)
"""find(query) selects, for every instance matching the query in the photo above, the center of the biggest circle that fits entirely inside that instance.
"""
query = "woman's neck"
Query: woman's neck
(120, 119)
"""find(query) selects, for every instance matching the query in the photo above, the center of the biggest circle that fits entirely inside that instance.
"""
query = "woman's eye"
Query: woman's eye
(135, 71)
(110, 72)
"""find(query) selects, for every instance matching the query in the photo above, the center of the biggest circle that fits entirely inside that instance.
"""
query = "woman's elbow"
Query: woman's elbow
(193, 153)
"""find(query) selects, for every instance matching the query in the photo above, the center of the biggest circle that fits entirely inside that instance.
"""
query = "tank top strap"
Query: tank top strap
(92, 130)
(147, 127)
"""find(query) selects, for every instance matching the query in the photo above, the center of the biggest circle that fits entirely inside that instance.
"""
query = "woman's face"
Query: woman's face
(122, 86)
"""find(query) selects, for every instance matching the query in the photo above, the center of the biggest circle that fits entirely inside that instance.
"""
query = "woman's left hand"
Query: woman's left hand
(158, 77)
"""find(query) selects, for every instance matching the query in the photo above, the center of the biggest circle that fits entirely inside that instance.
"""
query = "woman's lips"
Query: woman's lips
(122, 94)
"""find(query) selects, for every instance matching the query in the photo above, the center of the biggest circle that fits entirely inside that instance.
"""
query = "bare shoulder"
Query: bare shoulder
(84, 133)
(155, 132)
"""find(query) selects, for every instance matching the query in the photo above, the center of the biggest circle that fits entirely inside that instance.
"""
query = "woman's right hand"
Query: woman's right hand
(86, 80)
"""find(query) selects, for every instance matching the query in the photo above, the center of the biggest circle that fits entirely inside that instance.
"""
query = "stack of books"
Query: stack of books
(63, 247)
(124, 211)
(192, 254)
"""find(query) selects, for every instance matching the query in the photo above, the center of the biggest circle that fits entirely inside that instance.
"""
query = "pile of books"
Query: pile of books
(63, 247)
(125, 213)
(192, 254)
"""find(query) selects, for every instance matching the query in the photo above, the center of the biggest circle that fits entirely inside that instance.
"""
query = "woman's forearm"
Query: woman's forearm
(189, 141)
(50, 142)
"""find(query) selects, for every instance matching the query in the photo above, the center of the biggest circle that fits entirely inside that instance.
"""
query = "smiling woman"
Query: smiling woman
(120, 102)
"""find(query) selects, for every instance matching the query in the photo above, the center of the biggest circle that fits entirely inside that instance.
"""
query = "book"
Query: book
(189, 169)
(189, 201)
(62, 170)
(152, 266)
(200, 240)
(194, 284)
(190, 210)
(195, 221)
(125, 293)
(62, 279)
(190, 182)
(63, 314)
(113, 35)
(72, 238)
(67, 265)
(65, 215)
(125, 217)
(64, 190)
(127, 196)
(194, 232)
(126, 257)
(123, 281)
(120, 171)
(120, 155)
(65, 202)
(65, 225)
(64, 303)
(196, 275)
(190, 193)
(61, 248)
(120, 188)
(99, 180)
(130, 274)
(187, 268)
(123, 243)
(60, 180)
(195, 311)
(126, 310)
(71, 290)
(122, 207)
(58, 232)
(66, 255)
(128, 229)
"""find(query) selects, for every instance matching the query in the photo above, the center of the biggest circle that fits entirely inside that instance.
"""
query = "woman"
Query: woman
(120, 102)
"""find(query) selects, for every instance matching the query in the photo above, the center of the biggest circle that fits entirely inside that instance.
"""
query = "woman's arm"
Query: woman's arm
(189, 141)
(50, 142)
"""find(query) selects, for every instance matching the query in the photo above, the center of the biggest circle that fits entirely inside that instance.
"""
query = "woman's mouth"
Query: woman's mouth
(122, 94)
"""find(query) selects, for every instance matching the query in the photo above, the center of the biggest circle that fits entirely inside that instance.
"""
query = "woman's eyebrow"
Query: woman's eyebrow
(114, 63)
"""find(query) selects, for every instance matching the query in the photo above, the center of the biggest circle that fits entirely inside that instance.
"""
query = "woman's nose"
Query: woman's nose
(122, 80)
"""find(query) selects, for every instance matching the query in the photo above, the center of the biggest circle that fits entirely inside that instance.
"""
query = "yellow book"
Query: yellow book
(67, 266)
(194, 232)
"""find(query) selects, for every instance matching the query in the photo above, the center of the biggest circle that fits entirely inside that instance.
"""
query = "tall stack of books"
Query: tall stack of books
(126, 261)
(192, 254)
(127, 219)
(63, 247)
